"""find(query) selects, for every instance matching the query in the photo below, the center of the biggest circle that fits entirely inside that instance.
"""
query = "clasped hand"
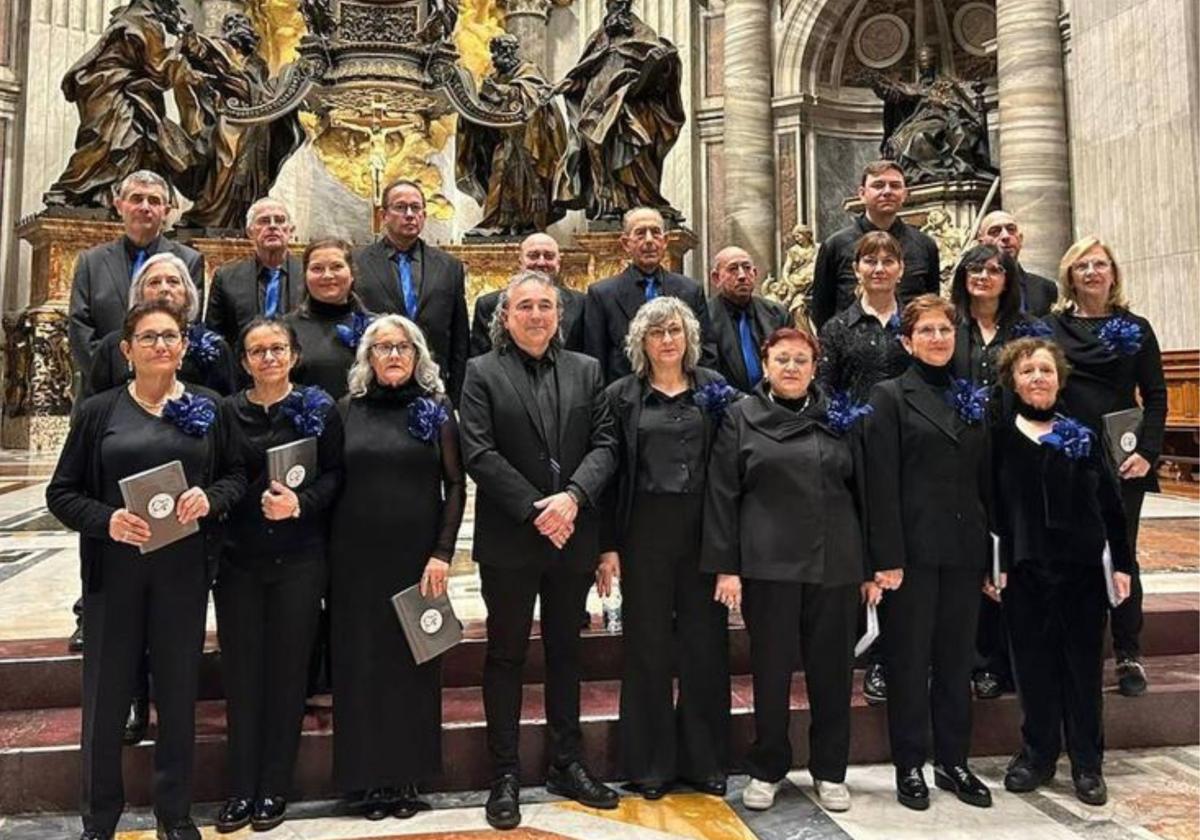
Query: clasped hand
(556, 522)
(129, 528)
(278, 502)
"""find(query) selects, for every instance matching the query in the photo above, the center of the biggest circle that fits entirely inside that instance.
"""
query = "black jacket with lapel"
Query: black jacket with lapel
(611, 305)
(1038, 294)
(441, 306)
(234, 301)
(570, 324)
(506, 453)
(768, 316)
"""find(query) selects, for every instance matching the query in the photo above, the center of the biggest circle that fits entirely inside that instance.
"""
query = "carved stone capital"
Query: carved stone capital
(531, 8)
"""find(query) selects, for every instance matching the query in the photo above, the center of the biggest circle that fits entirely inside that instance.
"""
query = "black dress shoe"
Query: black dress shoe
(875, 684)
(75, 640)
(235, 814)
(910, 788)
(378, 803)
(1023, 776)
(503, 809)
(575, 782)
(713, 787)
(184, 830)
(137, 723)
(649, 790)
(964, 783)
(92, 834)
(1131, 676)
(987, 685)
(269, 811)
(409, 803)
(1090, 788)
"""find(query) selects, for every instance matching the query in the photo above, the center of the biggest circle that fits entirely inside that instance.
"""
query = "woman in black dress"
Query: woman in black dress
(666, 413)
(394, 526)
(208, 361)
(783, 532)
(1116, 363)
(330, 320)
(928, 497)
(1057, 505)
(272, 576)
(133, 602)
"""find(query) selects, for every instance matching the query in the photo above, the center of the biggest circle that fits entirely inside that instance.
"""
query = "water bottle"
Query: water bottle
(611, 605)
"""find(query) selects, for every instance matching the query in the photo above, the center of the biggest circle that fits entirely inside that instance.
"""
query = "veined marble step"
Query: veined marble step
(39, 751)
(41, 674)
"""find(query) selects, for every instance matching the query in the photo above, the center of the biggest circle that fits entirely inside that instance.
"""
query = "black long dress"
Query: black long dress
(209, 364)
(402, 503)
(325, 354)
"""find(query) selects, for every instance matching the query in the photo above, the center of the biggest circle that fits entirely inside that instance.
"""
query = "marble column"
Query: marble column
(526, 19)
(1035, 171)
(748, 142)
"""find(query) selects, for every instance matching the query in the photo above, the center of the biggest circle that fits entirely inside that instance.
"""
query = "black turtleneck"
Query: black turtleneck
(795, 405)
(324, 358)
(934, 377)
(1037, 415)
(323, 311)
(399, 395)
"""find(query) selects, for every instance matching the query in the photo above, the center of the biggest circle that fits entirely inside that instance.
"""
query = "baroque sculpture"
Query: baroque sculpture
(951, 242)
(510, 170)
(624, 112)
(792, 288)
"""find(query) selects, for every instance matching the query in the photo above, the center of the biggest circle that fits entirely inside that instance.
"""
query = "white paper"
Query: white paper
(1106, 560)
(996, 579)
(872, 631)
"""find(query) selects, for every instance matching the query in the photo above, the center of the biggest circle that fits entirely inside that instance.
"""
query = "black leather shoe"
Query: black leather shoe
(235, 814)
(910, 788)
(269, 811)
(185, 830)
(75, 641)
(874, 685)
(1131, 676)
(649, 790)
(503, 809)
(137, 723)
(713, 787)
(409, 803)
(378, 803)
(1023, 776)
(92, 834)
(575, 782)
(965, 784)
(1090, 788)
(987, 685)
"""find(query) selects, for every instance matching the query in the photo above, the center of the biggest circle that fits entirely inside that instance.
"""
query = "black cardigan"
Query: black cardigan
(74, 493)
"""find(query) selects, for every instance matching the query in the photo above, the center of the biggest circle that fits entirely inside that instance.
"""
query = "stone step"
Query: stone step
(39, 749)
(40, 674)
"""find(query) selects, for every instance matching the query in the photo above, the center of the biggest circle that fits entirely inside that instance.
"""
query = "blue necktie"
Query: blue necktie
(749, 351)
(651, 287)
(139, 259)
(271, 298)
(404, 275)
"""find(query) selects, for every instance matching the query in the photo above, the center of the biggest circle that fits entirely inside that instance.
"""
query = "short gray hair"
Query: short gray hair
(496, 329)
(655, 313)
(146, 176)
(425, 369)
(262, 202)
(629, 214)
(138, 283)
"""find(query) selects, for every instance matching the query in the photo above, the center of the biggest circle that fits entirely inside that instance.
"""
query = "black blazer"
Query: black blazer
(506, 454)
(784, 496)
(570, 324)
(929, 479)
(75, 492)
(441, 307)
(768, 316)
(611, 305)
(100, 292)
(234, 301)
(625, 399)
(1038, 294)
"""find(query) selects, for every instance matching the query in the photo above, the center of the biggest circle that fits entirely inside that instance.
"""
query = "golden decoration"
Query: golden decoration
(478, 22)
(281, 26)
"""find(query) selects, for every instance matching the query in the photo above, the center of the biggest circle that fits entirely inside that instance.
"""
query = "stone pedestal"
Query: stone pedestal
(608, 257)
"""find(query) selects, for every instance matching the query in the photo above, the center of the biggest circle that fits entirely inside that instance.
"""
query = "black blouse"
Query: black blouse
(325, 357)
(976, 359)
(670, 444)
(857, 352)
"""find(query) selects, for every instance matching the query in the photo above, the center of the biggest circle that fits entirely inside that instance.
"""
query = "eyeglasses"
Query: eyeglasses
(1084, 266)
(402, 209)
(934, 332)
(385, 350)
(149, 338)
(977, 269)
(278, 351)
(661, 333)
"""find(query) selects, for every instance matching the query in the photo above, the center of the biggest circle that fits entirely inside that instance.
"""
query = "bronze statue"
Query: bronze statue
(933, 128)
(625, 113)
(119, 86)
(510, 170)
(242, 160)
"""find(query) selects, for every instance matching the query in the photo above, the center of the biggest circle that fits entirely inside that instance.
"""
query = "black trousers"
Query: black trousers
(1127, 618)
(266, 620)
(509, 595)
(157, 602)
(784, 619)
(930, 626)
(1057, 632)
(671, 622)
(991, 641)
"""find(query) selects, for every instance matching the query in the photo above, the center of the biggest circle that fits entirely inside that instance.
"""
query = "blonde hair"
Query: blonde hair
(425, 369)
(1067, 299)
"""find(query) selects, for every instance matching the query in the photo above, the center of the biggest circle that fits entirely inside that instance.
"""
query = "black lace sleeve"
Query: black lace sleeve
(454, 488)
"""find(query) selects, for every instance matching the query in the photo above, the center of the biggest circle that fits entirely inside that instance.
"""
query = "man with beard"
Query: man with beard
(741, 320)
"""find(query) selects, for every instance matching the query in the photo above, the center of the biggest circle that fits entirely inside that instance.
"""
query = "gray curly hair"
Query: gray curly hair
(496, 329)
(425, 369)
(191, 308)
(656, 313)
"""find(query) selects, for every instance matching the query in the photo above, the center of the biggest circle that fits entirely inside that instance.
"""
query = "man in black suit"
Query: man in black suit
(539, 252)
(538, 439)
(1038, 293)
(100, 290)
(402, 273)
(883, 193)
(741, 320)
(612, 302)
(270, 283)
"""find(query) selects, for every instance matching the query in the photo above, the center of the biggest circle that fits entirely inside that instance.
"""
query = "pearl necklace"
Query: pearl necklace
(155, 408)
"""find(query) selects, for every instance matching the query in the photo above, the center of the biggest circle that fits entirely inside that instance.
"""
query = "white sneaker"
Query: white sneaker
(834, 796)
(759, 795)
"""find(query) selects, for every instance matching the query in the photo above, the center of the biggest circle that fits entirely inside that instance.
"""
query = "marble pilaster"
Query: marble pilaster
(526, 19)
(1034, 154)
(750, 173)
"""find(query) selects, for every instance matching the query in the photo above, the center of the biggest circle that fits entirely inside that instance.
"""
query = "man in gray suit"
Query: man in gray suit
(402, 273)
(270, 283)
(100, 290)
